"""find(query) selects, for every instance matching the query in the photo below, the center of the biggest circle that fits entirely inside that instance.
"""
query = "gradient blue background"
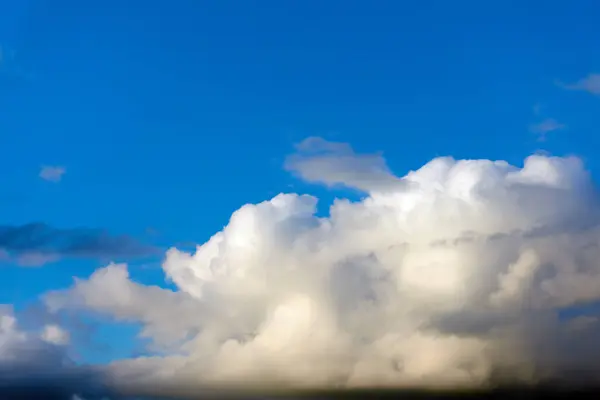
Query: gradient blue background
(169, 115)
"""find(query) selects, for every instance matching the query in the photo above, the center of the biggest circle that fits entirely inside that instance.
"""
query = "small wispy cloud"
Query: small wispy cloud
(336, 164)
(10, 67)
(151, 231)
(541, 129)
(35, 259)
(52, 173)
(590, 84)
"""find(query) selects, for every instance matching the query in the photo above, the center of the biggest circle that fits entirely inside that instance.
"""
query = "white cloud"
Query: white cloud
(110, 291)
(52, 173)
(55, 334)
(590, 84)
(330, 163)
(546, 126)
(450, 275)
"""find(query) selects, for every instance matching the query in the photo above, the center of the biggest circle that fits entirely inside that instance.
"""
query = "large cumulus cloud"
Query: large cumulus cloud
(454, 274)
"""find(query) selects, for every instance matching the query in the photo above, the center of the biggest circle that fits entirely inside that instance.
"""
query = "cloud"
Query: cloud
(35, 259)
(590, 84)
(55, 334)
(336, 164)
(52, 173)
(456, 274)
(110, 291)
(38, 243)
(546, 126)
(35, 364)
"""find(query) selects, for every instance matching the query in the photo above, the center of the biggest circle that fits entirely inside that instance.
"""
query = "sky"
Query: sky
(128, 128)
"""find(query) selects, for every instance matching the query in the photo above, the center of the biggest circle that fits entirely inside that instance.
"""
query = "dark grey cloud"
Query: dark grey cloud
(50, 378)
(31, 367)
(38, 243)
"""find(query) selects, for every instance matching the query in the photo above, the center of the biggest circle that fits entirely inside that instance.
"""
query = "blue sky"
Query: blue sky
(168, 116)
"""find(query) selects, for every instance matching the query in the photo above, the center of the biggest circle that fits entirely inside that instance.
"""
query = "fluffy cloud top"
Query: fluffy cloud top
(452, 275)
